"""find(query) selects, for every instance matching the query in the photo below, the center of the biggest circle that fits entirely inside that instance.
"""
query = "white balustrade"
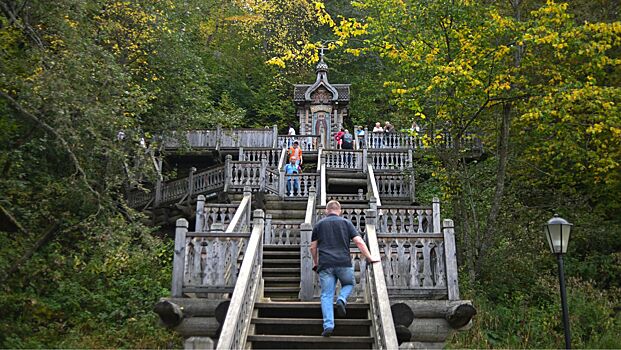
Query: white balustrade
(308, 143)
(344, 159)
(387, 160)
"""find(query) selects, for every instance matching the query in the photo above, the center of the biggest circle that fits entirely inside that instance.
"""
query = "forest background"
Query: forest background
(538, 81)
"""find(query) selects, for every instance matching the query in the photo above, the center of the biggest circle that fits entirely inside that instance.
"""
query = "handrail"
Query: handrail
(281, 160)
(237, 322)
(310, 207)
(306, 262)
(383, 324)
(323, 187)
(373, 185)
(242, 214)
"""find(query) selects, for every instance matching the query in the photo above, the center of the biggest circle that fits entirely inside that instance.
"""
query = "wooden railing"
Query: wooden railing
(304, 184)
(237, 322)
(240, 174)
(204, 182)
(308, 143)
(392, 140)
(323, 186)
(241, 219)
(410, 219)
(306, 261)
(206, 262)
(209, 214)
(390, 160)
(272, 155)
(226, 138)
(280, 233)
(377, 293)
(139, 199)
(352, 212)
(347, 197)
(342, 159)
(395, 185)
(372, 189)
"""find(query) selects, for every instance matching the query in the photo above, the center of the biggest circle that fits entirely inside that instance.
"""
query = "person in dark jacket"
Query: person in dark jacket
(330, 251)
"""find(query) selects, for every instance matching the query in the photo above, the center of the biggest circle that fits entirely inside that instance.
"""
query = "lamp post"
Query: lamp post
(557, 232)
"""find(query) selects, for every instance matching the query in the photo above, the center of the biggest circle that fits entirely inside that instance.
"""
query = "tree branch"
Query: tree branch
(43, 125)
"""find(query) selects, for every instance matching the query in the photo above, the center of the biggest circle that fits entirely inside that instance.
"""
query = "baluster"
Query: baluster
(427, 280)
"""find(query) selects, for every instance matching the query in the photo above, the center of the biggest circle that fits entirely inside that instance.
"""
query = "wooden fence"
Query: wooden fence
(226, 138)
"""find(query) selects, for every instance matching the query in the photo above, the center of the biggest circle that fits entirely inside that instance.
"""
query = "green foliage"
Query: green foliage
(523, 320)
(89, 290)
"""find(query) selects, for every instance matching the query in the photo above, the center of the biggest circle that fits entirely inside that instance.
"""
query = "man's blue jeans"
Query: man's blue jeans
(328, 277)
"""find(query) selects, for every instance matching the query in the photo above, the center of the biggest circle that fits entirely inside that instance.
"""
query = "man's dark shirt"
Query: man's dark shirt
(333, 234)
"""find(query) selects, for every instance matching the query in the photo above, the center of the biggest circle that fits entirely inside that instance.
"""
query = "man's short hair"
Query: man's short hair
(296, 142)
(333, 205)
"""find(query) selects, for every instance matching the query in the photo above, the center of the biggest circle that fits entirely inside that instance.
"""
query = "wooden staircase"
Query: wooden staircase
(298, 325)
(281, 252)
(281, 272)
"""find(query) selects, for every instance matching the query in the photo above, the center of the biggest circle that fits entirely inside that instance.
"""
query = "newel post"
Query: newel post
(412, 186)
(436, 215)
(227, 172)
(159, 184)
(240, 156)
(275, 136)
(218, 137)
(365, 161)
(450, 254)
(262, 172)
(200, 211)
(248, 193)
(191, 184)
(176, 290)
(306, 262)
(365, 144)
(267, 235)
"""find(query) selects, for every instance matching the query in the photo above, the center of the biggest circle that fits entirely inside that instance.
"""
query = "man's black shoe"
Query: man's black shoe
(327, 332)
(340, 308)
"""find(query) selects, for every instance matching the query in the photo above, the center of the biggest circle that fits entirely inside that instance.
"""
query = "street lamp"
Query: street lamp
(557, 232)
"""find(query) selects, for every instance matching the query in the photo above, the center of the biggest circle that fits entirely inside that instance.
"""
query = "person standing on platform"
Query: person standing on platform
(293, 183)
(296, 152)
(332, 261)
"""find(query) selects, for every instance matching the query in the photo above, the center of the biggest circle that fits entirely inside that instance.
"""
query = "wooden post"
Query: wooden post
(365, 161)
(267, 234)
(412, 186)
(306, 262)
(248, 193)
(158, 191)
(360, 194)
(372, 203)
(191, 185)
(436, 215)
(218, 137)
(179, 258)
(275, 136)
(366, 138)
(323, 180)
(451, 259)
(200, 211)
(240, 155)
(409, 159)
(262, 172)
(227, 171)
